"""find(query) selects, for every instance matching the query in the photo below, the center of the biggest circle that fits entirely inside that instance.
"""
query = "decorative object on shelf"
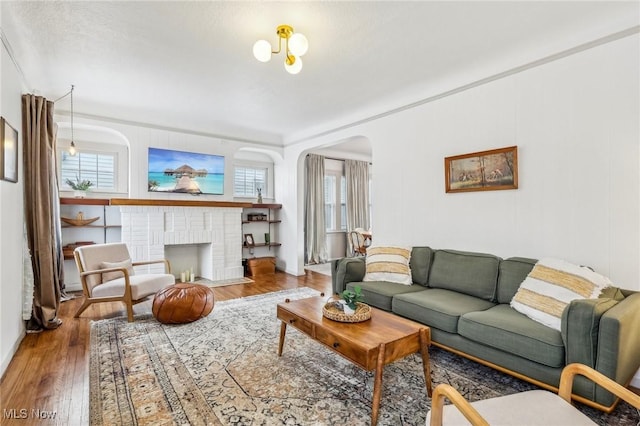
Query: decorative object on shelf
(80, 187)
(9, 152)
(267, 238)
(249, 241)
(296, 45)
(259, 196)
(256, 217)
(79, 220)
(482, 171)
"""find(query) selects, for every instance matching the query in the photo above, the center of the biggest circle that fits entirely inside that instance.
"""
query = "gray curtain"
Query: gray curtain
(42, 211)
(357, 180)
(314, 223)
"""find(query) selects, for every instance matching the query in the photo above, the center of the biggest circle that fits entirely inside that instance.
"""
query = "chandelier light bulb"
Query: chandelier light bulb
(262, 50)
(293, 65)
(298, 44)
(72, 149)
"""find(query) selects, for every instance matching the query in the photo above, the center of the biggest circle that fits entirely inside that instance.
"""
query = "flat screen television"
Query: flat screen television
(185, 172)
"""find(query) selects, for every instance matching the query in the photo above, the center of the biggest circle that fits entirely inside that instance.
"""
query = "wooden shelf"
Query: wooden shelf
(263, 245)
(92, 226)
(266, 206)
(261, 221)
(85, 201)
(176, 203)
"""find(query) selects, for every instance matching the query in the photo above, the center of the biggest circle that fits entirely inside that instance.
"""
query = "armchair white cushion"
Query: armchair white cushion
(106, 274)
(536, 407)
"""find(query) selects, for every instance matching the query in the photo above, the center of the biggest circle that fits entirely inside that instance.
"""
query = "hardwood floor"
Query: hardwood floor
(47, 381)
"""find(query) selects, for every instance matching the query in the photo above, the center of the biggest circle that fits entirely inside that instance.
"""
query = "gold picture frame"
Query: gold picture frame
(8, 152)
(491, 170)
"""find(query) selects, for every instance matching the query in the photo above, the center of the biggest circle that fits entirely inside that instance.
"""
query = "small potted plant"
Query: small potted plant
(80, 187)
(350, 299)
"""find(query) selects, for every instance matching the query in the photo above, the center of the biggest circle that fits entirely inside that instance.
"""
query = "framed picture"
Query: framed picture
(491, 170)
(248, 240)
(9, 152)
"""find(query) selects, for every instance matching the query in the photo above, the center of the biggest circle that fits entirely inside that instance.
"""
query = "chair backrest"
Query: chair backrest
(357, 242)
(89, 258)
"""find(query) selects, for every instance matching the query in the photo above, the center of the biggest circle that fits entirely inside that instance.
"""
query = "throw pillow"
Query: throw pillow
(388, 264)
(108, 276)
(551, 285)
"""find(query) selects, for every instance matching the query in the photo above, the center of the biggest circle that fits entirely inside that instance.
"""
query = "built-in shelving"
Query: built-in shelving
(265, 226)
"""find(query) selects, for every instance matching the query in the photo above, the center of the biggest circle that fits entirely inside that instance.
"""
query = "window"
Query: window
(335, 188)
(247, 180)
(97, 167)
(330, 202)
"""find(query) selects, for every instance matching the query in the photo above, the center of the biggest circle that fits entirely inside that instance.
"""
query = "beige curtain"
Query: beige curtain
(356, 175)
(42, 211)
(314, 223)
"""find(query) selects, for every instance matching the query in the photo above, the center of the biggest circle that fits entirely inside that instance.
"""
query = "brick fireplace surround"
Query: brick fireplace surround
(149, 226)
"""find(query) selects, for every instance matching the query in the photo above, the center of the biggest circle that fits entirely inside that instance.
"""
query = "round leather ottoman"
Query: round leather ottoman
(183, 302)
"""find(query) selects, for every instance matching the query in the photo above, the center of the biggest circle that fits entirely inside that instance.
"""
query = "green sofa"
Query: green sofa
(464, 298)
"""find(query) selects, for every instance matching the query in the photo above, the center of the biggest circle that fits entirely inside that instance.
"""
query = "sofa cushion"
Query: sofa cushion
(437, 308)
(512, 272)
(420, 263)
(388, 264)
(380, 293)
(502, 327)
(475, 274)
(551, 285)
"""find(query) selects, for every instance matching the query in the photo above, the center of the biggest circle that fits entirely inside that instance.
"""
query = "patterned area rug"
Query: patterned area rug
(224, 369)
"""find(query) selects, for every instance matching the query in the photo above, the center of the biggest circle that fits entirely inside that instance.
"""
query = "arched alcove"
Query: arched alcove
(95, 138)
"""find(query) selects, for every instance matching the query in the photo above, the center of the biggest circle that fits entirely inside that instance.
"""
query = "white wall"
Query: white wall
(11, 219)
(576, 124)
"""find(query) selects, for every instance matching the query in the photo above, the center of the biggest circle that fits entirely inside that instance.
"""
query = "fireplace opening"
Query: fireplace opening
(190, 258)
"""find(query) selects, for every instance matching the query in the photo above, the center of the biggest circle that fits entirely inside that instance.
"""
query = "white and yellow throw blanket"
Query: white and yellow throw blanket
(388, 264)
(551, 285)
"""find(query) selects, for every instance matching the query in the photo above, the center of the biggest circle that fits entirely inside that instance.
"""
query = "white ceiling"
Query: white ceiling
(189, 65)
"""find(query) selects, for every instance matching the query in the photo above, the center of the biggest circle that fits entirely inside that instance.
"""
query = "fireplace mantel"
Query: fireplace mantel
(176, 203)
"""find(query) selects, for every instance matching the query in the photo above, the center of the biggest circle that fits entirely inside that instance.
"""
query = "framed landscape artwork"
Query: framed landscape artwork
(185, 172)
(9, 152)
(491, 170)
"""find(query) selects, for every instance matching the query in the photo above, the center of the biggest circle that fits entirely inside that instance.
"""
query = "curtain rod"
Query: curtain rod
(337, 159)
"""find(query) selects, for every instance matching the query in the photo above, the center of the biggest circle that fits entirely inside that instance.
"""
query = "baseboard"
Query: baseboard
(11, 353)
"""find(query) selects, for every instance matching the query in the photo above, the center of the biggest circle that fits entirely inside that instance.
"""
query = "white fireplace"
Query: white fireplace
(217, 231)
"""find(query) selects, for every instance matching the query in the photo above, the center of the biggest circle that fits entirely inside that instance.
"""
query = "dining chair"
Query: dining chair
(107, 275)
(535, 407)
(357, 244)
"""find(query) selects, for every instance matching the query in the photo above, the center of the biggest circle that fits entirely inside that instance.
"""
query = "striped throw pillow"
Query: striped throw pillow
(551, 285)
(388, 264)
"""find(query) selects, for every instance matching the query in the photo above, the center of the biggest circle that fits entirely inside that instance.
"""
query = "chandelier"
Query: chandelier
(296, 45)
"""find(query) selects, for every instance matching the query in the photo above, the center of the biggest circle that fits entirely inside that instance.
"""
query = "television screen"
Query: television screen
(185, 172)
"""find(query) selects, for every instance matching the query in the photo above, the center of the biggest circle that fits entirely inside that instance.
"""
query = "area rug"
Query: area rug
(224, 369)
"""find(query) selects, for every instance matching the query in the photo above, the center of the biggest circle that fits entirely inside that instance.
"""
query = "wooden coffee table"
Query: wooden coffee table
(370, 344)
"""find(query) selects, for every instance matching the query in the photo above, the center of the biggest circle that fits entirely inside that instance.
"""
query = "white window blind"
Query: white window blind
(247, 180)
(99, 168)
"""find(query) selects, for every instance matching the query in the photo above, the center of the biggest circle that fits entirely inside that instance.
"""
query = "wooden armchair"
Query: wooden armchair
(536, 407)
(357, 244)
(107, 275)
